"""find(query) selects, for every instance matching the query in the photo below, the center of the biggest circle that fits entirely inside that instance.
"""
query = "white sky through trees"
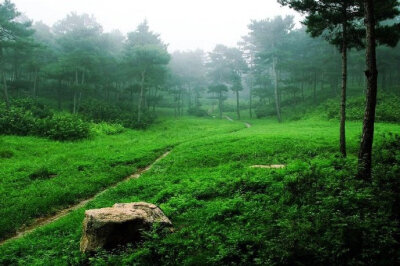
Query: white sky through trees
(183, 24)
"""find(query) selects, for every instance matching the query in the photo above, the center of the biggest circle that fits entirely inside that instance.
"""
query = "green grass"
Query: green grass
(38, 176)
(224, 212)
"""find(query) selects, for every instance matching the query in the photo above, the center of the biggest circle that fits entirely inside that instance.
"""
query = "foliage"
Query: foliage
(130, 121)
(108, 129)
(264, 111)
(97, 111)
(37, 108)
(65, 127)
(36, 120)
(387, 109)
(197, 111)
(312, 212)
(16, 121)
(42, 176)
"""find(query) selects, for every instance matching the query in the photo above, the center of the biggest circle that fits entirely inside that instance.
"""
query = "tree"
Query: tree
(375, 11)
(13, 33)
(219, 91)
(269, 38)
(238, 66)
(226, 67)
(337, 21)
(189, 73)
(236, 88)
(147, 57)
(78, 37)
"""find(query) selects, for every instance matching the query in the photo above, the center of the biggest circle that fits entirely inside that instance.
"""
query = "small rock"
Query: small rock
(272, 166)
(121, 224)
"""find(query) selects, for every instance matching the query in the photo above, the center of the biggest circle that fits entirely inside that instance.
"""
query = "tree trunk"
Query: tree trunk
(78, 103)
(59, 95)
(220, 104)
(74, 108)
(5, 90)
(315, 87)
(80, 93)
(251, 104)
(344, 88)
(277, 105)
(179, 102)
(155, 100)
(190, 96)
(76, 85)
(302, 87)
(237, 104)
(141, 96)
(176, 104)
(35, 83)
(365, 154)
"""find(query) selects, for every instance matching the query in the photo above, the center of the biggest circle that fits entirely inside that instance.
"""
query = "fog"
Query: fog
(184, 25)
(221, 132)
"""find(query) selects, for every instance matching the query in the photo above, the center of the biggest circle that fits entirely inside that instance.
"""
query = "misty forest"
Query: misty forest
(283, 149)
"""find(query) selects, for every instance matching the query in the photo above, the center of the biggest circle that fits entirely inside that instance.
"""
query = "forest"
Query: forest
(283, 149)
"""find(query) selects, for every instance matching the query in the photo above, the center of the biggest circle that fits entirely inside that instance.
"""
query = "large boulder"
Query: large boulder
(123, 223)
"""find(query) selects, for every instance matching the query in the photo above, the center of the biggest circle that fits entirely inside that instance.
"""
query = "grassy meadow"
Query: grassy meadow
(41, 176)
(223, 211)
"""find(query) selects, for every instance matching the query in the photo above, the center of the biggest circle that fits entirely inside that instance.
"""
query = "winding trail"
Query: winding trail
(39, 222)
(248, 125)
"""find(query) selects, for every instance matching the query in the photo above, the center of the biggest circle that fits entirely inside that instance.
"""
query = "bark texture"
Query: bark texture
(344, 92)
(371, 74)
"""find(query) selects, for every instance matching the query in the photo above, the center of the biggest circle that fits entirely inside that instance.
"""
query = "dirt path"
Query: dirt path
(245, 123)
(230, 119)
(39, 222)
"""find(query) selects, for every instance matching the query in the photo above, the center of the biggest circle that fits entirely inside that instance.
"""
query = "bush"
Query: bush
(98, 111)
(264, 111)
(130, 121)
(65, 127)
(16, 121)
(36, 108)
(108, 129)
(197, 111)
(22, 122)
(387, 109)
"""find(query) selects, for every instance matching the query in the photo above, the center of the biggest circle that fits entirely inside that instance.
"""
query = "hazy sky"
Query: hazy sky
(184, 24)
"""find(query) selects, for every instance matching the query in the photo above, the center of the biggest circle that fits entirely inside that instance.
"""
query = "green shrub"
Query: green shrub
(98, 111)
(130, 121)
(108, 129)
(264, 111)
(36, 108)
(30, 117)
(197, 111)
(387, 109)
(65, 127)
(16, 121)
